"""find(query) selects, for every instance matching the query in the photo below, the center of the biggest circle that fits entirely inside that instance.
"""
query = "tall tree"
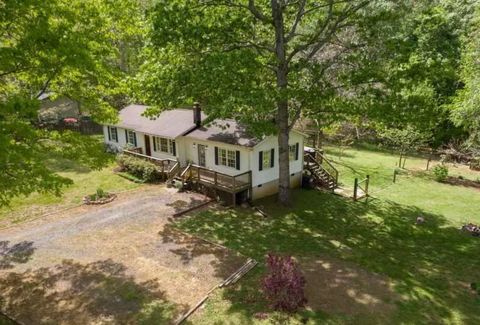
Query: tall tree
(466, 106)
(262, 62)
(408, 70)
(64, 46)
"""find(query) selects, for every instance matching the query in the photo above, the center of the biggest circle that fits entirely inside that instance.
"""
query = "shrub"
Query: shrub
(284, 284)
(440, 172)
(139, 168)
(101, 193)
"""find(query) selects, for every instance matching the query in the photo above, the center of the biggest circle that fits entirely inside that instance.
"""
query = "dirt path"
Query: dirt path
(116, 263)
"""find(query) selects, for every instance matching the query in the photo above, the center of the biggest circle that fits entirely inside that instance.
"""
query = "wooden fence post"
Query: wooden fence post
(428, 161)
(367, 181)
(355, 188)
(394, 175)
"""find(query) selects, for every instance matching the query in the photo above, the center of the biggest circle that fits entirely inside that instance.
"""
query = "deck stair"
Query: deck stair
(324, 174)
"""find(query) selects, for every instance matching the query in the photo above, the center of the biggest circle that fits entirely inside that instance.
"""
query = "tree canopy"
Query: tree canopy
(69, 48)
(399, 65)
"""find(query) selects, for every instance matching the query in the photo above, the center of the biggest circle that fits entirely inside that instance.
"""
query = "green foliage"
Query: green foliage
(466, 106)
(101, 193)
(440, 173)
(139, 168)
(408, 70)
(70, 48)
(404, 139)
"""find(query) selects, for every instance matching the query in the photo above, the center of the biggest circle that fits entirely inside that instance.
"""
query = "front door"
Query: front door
(148, 151)
(201, 155)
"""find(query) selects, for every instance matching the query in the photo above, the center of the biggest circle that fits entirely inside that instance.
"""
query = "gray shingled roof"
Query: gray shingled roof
(170, 124)
(226, 131)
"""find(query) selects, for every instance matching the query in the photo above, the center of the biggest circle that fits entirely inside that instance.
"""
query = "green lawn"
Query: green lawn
(85, 181)
(429, 267)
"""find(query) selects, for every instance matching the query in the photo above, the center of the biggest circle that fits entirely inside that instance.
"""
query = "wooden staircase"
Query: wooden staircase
(324, 174)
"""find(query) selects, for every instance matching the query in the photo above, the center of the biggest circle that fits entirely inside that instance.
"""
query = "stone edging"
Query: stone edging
(110, 198)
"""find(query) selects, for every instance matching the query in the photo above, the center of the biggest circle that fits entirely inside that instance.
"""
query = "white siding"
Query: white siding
(191, 155)
(271, 174)
(122, 140)
(158, 153)
(187, 151)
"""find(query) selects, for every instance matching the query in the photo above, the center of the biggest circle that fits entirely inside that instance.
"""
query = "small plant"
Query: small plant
(440, 173)
(100, 193)
(284, 284)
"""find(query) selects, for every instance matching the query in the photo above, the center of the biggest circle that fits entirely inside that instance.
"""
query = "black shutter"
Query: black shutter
(237, 159)
(174, 147)
(135, 138)
(154, 143)
(260, 160)
(126, 136)
(296, 151)
(109, 136)
(272, 157)
(216, 155)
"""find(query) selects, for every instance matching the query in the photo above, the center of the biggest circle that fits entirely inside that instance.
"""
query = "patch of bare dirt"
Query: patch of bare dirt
(462, 182)
(339, 287)
(106, 264)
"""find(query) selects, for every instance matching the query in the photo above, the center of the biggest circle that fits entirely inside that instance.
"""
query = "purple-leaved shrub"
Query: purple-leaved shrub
(284, 284)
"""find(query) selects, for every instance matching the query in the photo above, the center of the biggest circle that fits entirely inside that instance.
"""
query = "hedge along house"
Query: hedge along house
(221, 155)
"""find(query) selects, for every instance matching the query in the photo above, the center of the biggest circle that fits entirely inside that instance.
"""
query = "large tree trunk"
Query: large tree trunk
(282, 105)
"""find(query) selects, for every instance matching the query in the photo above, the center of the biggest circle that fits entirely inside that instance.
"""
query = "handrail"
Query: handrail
(324, 159)
(333, 172)
(154, 159)
(185, 170)
(172, 172)
(217, 175)
(247, 172)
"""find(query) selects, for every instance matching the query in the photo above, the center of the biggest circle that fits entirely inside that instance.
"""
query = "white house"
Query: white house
(223, 147)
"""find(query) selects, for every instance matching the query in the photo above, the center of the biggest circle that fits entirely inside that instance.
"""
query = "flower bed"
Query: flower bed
(100, 197)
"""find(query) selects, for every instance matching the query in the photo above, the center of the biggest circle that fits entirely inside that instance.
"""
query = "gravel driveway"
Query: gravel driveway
(118, 263)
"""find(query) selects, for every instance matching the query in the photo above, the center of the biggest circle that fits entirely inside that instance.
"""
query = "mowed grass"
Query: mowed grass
(414, 186)
(85, 181)
(428, 267)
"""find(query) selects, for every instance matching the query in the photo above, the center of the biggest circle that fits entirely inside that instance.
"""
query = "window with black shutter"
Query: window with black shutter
(266, 159)
(272, 158)
(260, 160)
(113, 133)
(237, 159)
(293, 151)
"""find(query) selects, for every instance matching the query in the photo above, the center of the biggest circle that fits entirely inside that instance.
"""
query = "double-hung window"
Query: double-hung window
(228, 158)
(164, 145)
(293, 151)
(131, 137)
(266, 159)
(112, 134)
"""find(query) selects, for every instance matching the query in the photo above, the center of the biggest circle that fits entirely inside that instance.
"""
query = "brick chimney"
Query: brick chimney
(197, 114)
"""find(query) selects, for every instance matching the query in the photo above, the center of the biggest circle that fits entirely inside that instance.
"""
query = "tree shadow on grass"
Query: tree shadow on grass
(190, 248)
(18, 253)
(430, 265)
(74, 293)
(182, 205)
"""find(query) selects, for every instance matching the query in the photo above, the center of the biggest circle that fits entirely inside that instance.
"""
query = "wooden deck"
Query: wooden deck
(200, 175)
(221, 181)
